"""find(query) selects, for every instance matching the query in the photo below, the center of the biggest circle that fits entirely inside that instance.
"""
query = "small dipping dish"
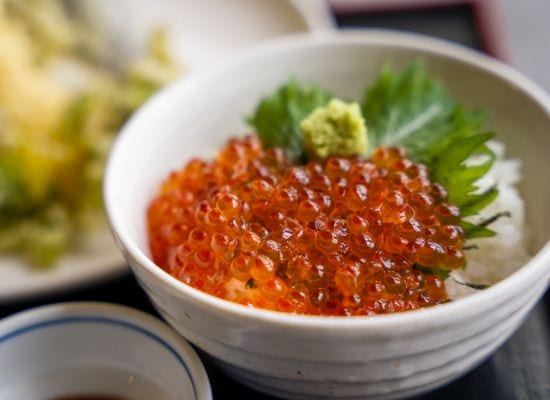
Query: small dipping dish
(69, 350)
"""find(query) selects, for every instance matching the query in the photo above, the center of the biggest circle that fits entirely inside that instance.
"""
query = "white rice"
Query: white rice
(499, 256)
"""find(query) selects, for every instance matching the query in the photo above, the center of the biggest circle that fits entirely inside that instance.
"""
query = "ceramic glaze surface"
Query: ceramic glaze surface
(306, 357)
(95, 348)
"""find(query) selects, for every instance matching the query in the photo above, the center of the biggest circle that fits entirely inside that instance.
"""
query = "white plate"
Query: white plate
(98, 260)
(201, 33)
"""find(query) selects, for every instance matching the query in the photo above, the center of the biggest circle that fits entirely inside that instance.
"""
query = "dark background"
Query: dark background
(519, 370)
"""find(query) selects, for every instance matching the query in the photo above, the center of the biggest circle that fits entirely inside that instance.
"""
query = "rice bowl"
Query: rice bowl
(296, 356)
(502, 255)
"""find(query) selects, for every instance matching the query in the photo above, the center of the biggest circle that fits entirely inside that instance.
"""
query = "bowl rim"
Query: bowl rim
(108, 313)
(444, 313)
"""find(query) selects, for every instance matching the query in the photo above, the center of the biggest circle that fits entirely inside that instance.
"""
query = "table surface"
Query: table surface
(519, 370)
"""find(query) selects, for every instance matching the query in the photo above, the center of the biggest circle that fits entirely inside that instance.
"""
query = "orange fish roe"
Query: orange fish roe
(334, 238)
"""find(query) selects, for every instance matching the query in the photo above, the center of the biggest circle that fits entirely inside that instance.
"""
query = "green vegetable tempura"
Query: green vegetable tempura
(62, 101)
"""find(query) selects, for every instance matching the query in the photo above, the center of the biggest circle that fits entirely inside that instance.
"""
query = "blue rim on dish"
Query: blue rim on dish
(103, 320)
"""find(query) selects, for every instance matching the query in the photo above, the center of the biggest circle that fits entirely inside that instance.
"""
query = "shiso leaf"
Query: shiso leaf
(473, 231)
(442, 273)
(277, 118)
(411, 110)
(479, 202)
(407, 109)
(480, 229)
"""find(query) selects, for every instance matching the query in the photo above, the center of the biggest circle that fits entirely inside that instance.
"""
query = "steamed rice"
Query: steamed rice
(499, 256)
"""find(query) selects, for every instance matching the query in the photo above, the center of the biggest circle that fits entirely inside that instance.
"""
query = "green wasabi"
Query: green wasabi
(337, 129)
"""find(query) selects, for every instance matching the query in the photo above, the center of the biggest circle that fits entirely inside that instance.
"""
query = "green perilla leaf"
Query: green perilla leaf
(277, 118)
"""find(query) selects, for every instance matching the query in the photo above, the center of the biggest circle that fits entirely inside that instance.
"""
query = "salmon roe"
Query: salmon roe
(339, 237)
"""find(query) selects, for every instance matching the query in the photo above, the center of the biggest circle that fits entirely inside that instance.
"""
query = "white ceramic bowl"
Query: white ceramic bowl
(72, 349)
(306, 357)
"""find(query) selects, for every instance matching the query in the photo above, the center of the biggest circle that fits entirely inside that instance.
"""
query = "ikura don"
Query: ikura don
(302, 218)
